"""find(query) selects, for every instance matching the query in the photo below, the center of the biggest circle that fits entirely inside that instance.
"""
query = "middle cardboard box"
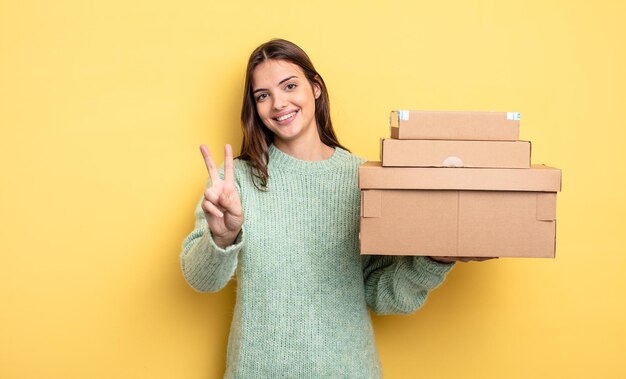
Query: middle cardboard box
(455, 153)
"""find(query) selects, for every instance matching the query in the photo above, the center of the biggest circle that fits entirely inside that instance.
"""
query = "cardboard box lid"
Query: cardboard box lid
(435, 116)
(538, 178)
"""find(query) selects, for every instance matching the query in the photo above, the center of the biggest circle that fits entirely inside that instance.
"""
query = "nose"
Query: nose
(280, 101)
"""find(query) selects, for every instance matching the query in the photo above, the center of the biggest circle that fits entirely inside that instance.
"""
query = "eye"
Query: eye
(291, 86)
(261, 97)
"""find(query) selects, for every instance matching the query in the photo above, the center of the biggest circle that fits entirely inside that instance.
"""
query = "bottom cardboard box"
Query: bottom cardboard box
(458, 223)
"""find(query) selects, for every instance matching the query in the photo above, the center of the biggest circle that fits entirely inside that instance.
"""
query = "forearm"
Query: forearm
(400, 285)
(206, 266)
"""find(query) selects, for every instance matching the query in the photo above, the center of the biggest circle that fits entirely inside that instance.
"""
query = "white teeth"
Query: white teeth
(289, 115)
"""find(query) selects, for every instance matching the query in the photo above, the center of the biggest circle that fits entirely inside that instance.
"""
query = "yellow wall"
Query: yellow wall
(103, 105)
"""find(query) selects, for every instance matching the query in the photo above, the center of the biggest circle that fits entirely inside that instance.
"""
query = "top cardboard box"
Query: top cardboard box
(455, 125)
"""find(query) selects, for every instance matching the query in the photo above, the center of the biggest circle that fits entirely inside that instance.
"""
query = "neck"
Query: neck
(312, 149)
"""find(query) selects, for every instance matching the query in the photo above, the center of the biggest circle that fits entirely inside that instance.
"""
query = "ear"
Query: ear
(317, 89)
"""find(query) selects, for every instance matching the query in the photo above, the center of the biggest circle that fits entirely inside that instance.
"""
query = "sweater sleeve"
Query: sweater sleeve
(400, 285)
(206, 266)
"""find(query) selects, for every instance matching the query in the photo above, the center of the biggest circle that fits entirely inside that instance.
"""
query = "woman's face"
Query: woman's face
(285, 100)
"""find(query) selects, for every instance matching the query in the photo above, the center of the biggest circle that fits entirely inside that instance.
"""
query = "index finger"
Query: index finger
(209, 163)
(229, 174)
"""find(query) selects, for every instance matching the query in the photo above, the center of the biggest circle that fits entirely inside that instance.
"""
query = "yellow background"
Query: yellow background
(103, 105)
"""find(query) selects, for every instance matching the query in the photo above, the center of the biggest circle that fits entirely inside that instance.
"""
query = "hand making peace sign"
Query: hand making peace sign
(221, 204)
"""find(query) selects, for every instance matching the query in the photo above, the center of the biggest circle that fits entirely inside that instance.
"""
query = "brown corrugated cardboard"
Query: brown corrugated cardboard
(538, 178)
(446, 153)
(458, 223)
(455, 125)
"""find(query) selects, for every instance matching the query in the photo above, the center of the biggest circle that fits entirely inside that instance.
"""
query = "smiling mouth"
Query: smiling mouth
(286, 117)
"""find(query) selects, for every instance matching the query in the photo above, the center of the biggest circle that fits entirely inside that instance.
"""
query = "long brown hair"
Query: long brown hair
(256, 136)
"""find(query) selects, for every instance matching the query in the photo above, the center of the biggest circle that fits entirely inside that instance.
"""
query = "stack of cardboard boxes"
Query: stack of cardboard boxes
(457, 184)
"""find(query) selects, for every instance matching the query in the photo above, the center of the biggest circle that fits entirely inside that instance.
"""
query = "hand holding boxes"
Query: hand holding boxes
(477, 196)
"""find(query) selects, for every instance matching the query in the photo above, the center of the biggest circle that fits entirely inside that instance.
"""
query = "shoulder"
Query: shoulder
(350, 159)
(240, 165)
(240, 168)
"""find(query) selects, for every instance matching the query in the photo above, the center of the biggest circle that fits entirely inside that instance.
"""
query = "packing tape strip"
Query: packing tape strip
(513, 116)
(452, 161)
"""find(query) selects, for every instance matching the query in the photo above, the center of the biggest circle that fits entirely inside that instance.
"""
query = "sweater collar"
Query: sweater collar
(280, 159)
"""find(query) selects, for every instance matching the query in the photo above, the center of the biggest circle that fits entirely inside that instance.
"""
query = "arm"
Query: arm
(209, 256)
(206, 266)
(400, 285)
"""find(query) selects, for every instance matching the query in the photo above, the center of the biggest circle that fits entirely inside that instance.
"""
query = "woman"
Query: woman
(285, 218)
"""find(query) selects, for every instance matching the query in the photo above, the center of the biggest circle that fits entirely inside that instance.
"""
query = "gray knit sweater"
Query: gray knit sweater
(302, 287)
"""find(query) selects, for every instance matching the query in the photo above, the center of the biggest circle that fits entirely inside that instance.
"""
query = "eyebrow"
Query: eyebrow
(279, 83)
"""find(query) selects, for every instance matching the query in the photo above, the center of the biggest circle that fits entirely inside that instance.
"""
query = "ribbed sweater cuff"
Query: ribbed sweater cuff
(206, 266)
